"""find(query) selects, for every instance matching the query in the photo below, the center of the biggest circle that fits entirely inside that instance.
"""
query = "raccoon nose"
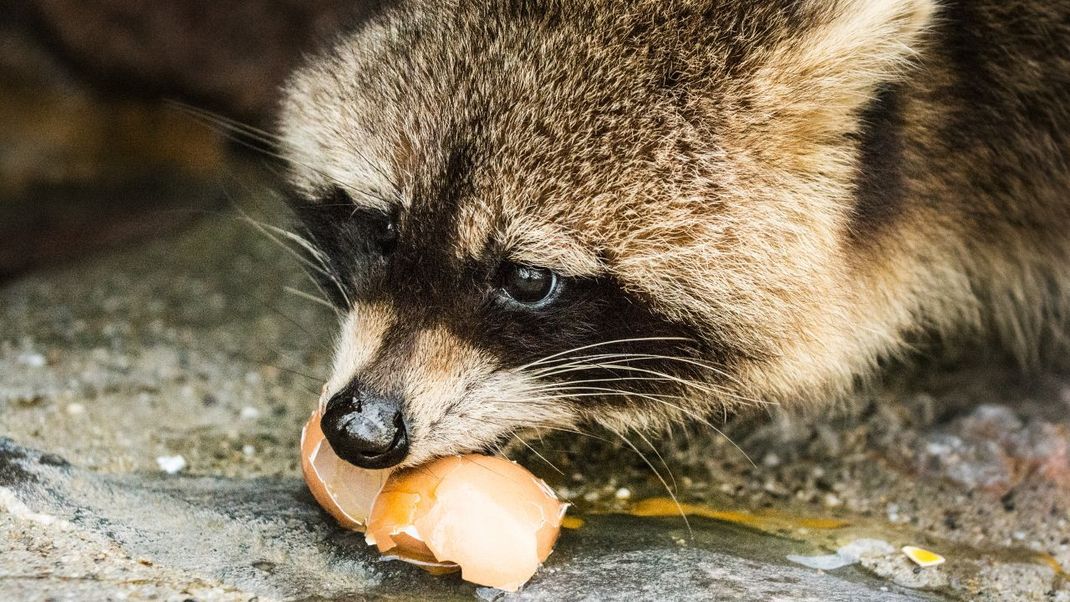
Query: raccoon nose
(365, 428)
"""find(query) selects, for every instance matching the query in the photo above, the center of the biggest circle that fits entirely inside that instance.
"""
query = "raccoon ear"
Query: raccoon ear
(821, 75)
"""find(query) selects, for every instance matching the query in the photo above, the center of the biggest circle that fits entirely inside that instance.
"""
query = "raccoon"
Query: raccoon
(548, 214)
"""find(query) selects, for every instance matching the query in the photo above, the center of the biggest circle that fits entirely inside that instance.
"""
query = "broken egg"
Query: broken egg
(487, 516)
(343, 490)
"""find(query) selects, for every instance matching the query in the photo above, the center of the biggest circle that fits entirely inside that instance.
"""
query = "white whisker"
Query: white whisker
(304, 295)
(601, 344)
(658, 475)
(541, 457)
(650, 356)
(657, 453)
(704, 387)
(242, 134)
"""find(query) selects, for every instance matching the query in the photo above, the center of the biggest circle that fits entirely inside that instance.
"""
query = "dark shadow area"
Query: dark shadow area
(92, 158)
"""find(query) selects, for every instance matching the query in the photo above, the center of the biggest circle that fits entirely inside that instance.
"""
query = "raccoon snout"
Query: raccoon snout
(365, 428)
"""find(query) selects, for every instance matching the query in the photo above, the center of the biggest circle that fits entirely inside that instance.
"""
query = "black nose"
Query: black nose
(365, 428)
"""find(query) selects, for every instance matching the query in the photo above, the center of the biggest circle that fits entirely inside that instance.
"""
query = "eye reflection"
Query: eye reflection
(529, 285)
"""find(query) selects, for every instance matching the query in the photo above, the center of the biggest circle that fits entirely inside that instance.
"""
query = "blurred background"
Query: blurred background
(94, 152)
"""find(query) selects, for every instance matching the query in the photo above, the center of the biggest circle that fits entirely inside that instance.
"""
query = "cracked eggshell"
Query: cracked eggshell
(488, 515)
(343, 490)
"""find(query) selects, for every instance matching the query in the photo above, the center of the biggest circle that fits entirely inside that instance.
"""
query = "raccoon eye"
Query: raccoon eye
(388, 237)
(529, 285)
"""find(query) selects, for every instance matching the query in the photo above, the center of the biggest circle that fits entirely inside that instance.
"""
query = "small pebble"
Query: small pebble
(171, 464)
(32, 360)
(892, 510)
(248, 451)
(623, 493)
(866, 547)
(845, 556)
(250, 413)
(75, 409)
(824, 562)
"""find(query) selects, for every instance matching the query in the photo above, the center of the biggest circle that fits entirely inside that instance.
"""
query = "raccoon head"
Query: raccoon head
(540, 214)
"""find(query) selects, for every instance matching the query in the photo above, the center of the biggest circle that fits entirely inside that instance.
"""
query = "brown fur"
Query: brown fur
(714, 158)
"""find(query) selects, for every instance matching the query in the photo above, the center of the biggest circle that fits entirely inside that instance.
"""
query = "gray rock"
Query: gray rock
(266, 537)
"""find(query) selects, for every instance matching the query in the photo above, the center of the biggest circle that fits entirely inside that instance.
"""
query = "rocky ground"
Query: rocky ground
(188, 353)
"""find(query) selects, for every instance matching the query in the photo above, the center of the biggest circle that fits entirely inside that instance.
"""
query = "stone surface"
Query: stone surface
(993, 449)
(239, 538)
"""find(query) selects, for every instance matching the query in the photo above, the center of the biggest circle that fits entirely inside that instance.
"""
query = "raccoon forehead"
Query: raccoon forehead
(317, 167)
(327, 136)
(527, 240)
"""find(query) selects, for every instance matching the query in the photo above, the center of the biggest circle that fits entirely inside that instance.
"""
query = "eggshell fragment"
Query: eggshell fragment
(343, 490)
(922, 557)
(488, 516)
